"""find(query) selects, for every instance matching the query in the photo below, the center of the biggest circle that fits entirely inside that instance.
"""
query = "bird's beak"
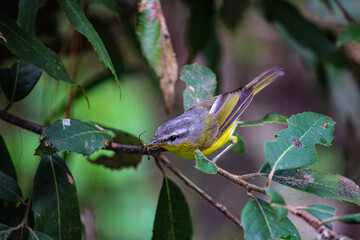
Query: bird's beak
(154, 143)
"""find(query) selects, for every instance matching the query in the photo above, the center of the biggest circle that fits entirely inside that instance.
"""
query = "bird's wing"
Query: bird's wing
(229, 106)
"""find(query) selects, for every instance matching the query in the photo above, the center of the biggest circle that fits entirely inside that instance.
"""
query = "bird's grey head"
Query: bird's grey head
(186, 127)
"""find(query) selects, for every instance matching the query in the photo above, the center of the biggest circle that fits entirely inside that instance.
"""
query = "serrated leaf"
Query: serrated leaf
(276, 203)
(263, 224)
(18, 81)
(314, 182)
(172, 220)
(27, 14)
(350, 219)
(72, 135)
(9, 189)
(203, 164)
(156, 46)
(55, 203)
(74, 12)
(200, 84)
(321, 212)
(351, 33)
(303, 31)
(35, 235)
(269, 118)
(295, 146)
(31, 50)
(6, 164)
(120, 159)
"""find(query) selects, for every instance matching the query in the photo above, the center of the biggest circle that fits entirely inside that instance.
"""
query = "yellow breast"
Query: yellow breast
(186, 151)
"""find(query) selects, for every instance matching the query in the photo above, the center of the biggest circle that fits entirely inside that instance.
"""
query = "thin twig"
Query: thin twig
(238, 180)
(271, 174)
(20, 122)
(347, 15)
(24, 221)
(249, 175)
(324, 232)
(201, 192)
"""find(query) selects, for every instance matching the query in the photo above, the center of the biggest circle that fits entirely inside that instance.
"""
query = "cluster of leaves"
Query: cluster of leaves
(288, 159)
(52, 211)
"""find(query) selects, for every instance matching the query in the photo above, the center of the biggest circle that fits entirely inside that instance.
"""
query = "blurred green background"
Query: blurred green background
(124, 202)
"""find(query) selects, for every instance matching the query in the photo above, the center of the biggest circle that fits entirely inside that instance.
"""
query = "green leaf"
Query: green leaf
(351, 33)
(277, 201)
(261, 222)
(321, 184)
(72, 135)
(321, 212)
(200, 84)
(5, 234)
(294, 146)
(350, 219)
(55, 203)
(9, 189)
(6, 164)
(35, 235)
(172, 220)
(148, 30)
(27, 14)
(156, 46)
(18, 81)
(120, 159)
(30, 49)
(74, 12)
(269, 118)
(304, 32)
(204, 164)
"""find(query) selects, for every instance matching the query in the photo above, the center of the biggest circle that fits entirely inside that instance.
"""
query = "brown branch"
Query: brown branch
(317, 225)
(24, 221)
(133, 149)
(238, 179)
(201, 192)
(20, 122)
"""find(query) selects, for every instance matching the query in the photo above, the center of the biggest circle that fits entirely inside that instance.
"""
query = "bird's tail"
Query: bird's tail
(267, 77)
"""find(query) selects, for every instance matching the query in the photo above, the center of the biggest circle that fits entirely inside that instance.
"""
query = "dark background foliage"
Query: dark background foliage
(316, 43)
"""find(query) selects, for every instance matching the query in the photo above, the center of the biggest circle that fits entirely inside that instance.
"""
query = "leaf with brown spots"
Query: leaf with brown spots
(311, 181)
(120, 159)
(156, 46)
(200, 84)
(295, 146)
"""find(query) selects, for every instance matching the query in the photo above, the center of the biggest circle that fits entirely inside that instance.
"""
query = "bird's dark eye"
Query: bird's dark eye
(172, 138)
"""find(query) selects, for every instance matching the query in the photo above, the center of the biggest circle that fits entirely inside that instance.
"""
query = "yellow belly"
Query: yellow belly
(189, 152)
